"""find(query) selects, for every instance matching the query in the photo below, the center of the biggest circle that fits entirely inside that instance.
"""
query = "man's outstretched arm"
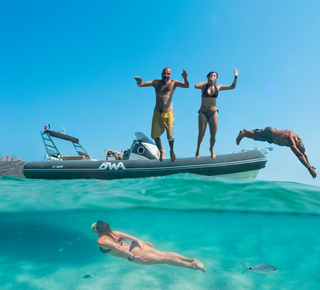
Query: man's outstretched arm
(304, 160)
(186, 82)
(140, 83)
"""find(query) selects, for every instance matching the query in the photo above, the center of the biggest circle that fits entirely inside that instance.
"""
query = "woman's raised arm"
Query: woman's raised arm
(233, 85)
(200, 85)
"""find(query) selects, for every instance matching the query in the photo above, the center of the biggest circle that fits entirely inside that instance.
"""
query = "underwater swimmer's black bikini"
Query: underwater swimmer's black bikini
(133, 245)
(107, 251)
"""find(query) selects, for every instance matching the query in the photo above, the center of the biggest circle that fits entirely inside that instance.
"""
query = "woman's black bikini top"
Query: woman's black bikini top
(205, 93)
(107, 251)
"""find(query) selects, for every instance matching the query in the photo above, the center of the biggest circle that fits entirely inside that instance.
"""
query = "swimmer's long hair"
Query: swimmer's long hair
(104, 229)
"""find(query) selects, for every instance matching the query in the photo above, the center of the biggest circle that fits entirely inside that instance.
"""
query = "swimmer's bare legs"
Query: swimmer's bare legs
(244, 133)
(152, 256)
(199, 265)
(174, 259)
(158, 257)
(195, 264)
(148, 248)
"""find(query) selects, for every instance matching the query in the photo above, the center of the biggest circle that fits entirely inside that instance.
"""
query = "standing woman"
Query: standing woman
(208, 112)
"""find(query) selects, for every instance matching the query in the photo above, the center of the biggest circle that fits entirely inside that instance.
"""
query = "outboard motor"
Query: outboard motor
(142, 149)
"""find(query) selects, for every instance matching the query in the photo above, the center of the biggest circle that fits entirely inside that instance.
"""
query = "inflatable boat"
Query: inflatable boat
(141, 160)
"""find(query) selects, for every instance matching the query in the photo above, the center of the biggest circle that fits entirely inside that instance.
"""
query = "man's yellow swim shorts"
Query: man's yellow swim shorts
(162, 120)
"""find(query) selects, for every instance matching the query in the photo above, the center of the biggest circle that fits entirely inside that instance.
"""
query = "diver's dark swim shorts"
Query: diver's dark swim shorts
(264, 134)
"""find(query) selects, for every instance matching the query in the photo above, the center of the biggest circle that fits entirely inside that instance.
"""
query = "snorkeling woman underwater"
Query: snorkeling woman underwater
(137, 251)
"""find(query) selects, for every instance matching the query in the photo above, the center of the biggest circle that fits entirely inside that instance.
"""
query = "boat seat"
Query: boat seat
(112, 155)
(73, 157)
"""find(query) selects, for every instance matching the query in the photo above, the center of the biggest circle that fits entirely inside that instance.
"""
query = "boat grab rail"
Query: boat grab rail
(263, 150)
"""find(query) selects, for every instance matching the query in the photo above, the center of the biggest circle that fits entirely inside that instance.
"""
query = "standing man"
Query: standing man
(282, 138)
(163, 117)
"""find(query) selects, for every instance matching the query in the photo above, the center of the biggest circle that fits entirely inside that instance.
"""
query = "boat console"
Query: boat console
(142, 148)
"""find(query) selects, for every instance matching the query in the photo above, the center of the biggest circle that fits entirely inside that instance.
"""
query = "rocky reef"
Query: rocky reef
(11, 166)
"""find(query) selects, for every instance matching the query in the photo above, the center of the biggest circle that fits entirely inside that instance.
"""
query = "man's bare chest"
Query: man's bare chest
(164, 89)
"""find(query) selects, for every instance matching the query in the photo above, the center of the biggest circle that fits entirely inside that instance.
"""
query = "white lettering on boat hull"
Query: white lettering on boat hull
(112, 166)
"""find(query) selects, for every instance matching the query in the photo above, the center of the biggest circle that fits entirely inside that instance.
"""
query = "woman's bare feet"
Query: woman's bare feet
(198, 153)
(198, 265)
(213, 155)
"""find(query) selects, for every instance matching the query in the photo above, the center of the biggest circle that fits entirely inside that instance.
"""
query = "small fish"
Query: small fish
(261, 268)
(88, 276)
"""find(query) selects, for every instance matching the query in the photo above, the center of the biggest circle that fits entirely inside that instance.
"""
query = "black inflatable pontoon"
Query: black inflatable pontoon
(141, 160)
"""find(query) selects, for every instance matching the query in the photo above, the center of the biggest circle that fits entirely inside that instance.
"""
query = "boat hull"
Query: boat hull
(242, 164)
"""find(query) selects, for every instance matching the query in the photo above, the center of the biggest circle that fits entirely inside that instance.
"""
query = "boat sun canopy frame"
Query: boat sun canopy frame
(52, 150)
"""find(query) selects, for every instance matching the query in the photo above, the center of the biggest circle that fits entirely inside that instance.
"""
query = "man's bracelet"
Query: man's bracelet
(131, 259)
(309, 167)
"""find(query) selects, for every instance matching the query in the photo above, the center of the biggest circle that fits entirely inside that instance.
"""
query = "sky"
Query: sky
(72, 64)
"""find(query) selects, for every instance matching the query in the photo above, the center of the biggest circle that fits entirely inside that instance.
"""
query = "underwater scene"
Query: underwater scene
(233, 226)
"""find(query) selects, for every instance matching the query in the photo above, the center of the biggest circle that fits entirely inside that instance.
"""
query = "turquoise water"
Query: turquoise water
(46, 241)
